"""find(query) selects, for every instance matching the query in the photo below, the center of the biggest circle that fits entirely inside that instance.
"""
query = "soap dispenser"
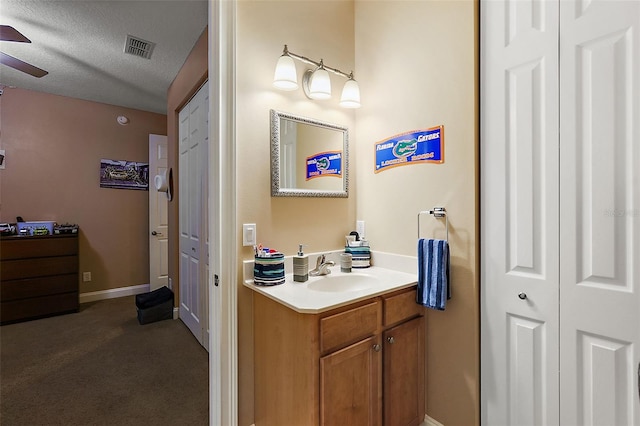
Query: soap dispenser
(300, 266)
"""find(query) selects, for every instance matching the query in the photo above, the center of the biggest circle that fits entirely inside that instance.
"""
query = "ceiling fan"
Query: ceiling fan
(8, 33)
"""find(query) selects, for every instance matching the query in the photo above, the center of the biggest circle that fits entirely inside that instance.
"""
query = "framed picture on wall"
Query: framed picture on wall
(122, 174)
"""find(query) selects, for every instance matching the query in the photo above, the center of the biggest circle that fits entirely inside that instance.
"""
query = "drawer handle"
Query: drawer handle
(390, 339)
(376, 347)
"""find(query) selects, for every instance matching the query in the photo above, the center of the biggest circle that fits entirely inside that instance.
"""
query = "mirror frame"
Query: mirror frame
(276, 190)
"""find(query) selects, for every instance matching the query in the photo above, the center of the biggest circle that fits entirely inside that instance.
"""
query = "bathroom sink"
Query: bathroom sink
(343, 283)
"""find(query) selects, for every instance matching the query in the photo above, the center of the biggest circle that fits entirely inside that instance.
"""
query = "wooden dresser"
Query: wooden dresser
(38, 276)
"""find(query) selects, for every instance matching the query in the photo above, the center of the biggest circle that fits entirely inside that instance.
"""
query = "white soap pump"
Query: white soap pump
(300, 266)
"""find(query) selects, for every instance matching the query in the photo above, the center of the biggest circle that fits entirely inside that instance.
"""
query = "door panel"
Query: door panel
(600, 212)
(403, 356)
(349, 385)
(158, 216)
(519, 213)
(193, 213)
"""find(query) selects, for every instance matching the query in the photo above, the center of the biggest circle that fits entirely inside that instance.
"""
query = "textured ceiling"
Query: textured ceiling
(81, 44)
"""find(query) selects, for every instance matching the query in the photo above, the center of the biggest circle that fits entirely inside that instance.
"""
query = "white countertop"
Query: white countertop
(299, 297)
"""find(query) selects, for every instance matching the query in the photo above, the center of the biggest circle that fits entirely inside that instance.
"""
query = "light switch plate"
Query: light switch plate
(249, 234)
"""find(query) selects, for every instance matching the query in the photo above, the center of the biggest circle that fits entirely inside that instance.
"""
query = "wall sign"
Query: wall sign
(122, 174)
(328, 163)
(416, 146)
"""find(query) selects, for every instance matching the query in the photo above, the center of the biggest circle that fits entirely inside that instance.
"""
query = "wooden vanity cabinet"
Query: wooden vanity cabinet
(404, 360)
(404, 374)
(350, 391)
(362, 364)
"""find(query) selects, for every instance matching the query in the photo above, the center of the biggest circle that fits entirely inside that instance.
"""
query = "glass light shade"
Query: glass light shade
(285, 77)
(350, 94)
(320, 84)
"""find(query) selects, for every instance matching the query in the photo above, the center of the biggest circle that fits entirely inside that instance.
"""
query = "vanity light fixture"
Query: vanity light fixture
(315, 83)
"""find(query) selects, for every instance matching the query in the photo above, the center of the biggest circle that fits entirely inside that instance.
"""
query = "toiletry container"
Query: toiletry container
(300, 266)
(268, 268)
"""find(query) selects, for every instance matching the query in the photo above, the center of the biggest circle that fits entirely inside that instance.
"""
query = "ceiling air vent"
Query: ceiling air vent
(138, 47)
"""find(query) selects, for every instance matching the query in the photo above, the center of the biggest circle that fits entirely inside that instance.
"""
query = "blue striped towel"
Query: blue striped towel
(433, 274)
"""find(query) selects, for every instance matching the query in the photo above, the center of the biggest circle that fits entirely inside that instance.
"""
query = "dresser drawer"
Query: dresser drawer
(30, 247)
(38, 267)
(36, 287)
(36, 307)
(401, 306)
(350, 326)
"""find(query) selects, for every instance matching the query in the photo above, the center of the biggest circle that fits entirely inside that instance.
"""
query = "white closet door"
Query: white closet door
(519, 213)
(193, 172)
(600, 212)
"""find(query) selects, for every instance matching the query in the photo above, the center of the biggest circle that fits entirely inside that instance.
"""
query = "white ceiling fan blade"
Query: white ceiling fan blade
(21, 65)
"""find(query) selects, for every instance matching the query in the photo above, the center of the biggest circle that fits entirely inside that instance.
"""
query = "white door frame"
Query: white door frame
(223, 343)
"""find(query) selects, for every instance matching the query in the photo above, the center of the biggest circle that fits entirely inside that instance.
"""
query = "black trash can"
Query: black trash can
(155, 305)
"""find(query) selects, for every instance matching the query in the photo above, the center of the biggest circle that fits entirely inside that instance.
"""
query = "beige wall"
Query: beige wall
(415, 62)
(54, 145)
(317, 30)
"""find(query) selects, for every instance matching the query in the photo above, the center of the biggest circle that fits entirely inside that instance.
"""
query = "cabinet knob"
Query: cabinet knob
(522, 295)
(376, 347)
(390, 339)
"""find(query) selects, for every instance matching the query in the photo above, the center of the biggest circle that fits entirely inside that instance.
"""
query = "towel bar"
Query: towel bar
(438, 212)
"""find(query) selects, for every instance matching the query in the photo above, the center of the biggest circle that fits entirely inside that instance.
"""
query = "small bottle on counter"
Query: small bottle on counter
(300, 266)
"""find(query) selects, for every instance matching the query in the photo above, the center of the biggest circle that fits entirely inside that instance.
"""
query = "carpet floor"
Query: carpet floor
(100, 367)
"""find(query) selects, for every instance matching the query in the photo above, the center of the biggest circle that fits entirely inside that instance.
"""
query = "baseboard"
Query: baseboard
(428, 421)
(113, 293)
(176, 313)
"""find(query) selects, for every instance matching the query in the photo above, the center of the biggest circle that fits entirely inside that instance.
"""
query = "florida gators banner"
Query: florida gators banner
(416, 146)
(328, 163)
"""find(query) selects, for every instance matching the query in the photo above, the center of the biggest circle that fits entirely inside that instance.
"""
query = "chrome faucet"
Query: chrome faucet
(322, 266)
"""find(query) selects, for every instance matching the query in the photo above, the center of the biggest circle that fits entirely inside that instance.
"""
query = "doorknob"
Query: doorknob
(156, 233)
(522, 295)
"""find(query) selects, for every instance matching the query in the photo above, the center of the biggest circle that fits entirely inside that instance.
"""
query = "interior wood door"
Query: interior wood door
(519, 212)
(193, 196)
(600, 212)
(158, 216)
(403, 372)
(350, 385)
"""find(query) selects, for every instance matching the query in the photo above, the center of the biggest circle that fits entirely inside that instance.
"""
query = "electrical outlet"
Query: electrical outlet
(86, 276)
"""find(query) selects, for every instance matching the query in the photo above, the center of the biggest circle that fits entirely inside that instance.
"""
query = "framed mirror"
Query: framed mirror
(309, 158)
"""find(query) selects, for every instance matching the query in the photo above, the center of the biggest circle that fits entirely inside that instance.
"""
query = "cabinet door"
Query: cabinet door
(350, 391)
(404, 375)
